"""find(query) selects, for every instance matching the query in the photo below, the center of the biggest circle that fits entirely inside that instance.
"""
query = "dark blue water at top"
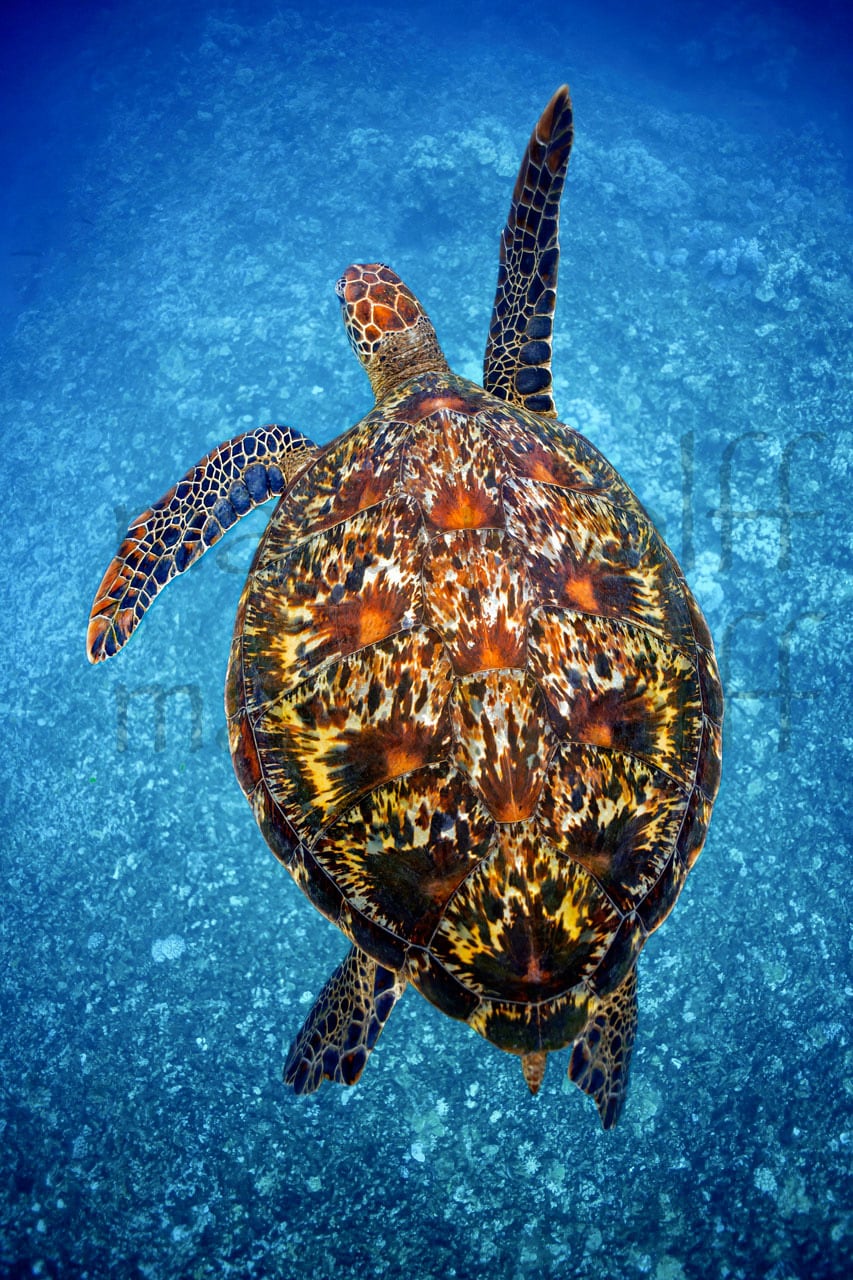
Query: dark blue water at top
(183, 184)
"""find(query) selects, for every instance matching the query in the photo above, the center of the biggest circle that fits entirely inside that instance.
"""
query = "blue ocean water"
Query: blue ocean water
(183, 184)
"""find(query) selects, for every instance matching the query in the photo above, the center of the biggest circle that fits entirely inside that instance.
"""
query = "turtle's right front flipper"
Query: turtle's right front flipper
(168, 537)
(517, 366)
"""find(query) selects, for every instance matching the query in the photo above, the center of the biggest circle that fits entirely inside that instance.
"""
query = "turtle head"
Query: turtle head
(387, 327)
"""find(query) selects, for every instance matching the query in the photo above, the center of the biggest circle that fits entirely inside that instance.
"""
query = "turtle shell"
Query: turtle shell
(475, 707)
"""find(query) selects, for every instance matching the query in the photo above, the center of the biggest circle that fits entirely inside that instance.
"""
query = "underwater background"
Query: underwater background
(183, 183)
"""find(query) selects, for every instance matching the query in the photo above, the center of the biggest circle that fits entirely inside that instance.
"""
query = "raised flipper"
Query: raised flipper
(601, 1056)
(167, 538)
(344, 1024)
(517, 366)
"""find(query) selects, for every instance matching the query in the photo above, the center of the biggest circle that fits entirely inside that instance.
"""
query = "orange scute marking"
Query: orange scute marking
(499, 650)
(421, 405)
(539, 470)
(402, 759)
(463, 511)
(375, 623)
(581, 592)
(600, 735)
(373, 491)
(535, 973)
(512, 811)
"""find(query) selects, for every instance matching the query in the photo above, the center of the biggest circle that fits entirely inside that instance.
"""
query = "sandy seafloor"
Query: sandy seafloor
(186, 183)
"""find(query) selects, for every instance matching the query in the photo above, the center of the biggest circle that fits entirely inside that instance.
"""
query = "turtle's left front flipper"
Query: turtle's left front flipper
(168, 537)
(344, 1024)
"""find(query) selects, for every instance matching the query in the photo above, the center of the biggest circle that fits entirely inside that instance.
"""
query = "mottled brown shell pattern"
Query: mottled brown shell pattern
(476, 709)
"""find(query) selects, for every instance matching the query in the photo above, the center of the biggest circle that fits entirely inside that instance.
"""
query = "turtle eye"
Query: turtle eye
(340, 288)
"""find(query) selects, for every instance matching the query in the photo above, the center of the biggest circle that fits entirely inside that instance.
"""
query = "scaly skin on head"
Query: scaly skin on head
(387, 327)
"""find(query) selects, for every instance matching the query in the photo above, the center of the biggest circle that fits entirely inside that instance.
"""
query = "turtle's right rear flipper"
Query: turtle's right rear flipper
(344, 1024)
(602, 1053)
(170, 536)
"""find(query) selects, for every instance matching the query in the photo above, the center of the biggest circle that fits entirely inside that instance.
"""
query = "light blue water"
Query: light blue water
(184, 185)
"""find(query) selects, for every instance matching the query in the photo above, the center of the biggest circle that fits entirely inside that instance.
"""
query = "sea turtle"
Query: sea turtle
(470, 698)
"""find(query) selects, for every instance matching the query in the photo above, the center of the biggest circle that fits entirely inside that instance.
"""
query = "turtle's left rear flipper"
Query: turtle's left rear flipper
(168, 537)
(344, 1024)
